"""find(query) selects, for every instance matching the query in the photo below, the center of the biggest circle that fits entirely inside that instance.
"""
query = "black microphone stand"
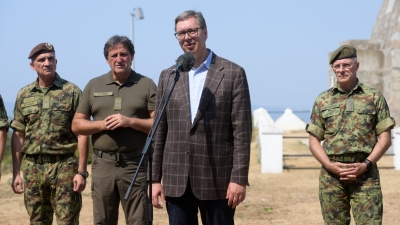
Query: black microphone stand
(146, 151)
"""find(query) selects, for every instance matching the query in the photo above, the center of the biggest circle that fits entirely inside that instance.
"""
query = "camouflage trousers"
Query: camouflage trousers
(48, 190)
(363, 195)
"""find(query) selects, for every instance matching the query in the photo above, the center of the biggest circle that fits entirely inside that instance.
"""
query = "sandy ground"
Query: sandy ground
(290, 197)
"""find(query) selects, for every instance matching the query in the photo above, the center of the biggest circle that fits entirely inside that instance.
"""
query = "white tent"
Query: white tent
(289, 121)
(261, 117)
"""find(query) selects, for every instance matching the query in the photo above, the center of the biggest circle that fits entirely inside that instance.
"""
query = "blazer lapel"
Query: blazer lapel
(213, 80)
(183, 94)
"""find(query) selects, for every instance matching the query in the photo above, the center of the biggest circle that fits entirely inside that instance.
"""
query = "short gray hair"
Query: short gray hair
(116, 40)
(191, 13)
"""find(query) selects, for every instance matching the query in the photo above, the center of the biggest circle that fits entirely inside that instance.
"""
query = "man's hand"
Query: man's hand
(236, 194)
(337, 167)
(354, 171)
(17, 185)
(158, 191)
(79, 183)
(347, 171)
(117, 120)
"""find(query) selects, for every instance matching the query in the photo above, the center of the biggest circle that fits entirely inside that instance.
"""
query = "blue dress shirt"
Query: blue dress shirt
(197, 77)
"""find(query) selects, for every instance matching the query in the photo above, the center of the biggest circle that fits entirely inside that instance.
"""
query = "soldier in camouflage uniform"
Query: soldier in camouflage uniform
(349, 118)
(3, 130)
(43, 144)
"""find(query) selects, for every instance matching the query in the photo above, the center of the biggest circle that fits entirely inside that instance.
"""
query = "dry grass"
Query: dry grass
(290, 197)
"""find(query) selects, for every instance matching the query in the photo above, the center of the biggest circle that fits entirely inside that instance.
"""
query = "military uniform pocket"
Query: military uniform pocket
(61, 114)
(30, 114)
(366, 117)
(331, 116)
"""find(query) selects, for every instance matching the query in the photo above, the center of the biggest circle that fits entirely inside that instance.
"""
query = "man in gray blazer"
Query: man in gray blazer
(202, 145)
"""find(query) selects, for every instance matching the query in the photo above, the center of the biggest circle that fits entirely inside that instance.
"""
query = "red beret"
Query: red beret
(41, 48)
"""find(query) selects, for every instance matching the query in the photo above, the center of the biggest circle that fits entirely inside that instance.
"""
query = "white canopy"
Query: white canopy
(289, 121)
(261, 116)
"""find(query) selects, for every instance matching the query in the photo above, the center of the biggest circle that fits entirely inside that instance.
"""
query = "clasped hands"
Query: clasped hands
(115, 121)
(347, 171)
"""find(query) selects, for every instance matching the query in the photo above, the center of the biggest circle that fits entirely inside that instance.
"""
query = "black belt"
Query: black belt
(117, 156)
(349, 157)
(41, 159)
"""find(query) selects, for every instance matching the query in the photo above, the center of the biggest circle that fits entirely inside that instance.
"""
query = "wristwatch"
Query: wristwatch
(84, 174)
(368, 163)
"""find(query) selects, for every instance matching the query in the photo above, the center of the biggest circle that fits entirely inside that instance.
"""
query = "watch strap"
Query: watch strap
(84, 174)
(368, 163)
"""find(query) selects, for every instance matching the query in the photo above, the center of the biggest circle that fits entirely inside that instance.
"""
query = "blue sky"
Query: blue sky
(283, 45)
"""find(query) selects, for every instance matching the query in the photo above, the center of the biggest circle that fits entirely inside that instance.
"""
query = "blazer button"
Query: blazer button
(188, 152)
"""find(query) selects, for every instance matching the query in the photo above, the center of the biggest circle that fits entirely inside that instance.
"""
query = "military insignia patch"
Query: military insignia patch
(346, 52)
(118, 103)
(49, 46)
(349, 105)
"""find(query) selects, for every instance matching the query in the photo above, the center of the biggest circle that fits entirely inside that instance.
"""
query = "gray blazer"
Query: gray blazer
(215, 149)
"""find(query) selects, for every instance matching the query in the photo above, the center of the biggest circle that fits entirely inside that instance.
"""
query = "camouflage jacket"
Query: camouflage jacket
(3, 115)
(349, 122)
(45, 116)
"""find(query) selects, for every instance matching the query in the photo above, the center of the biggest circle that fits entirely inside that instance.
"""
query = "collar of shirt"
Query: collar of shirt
(57, 82)
(337, 88)
(197, 78)
(205, 63)
(131, 79)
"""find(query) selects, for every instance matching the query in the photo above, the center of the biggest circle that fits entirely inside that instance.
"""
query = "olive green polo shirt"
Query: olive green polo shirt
(349, 122)
(103, 97)
(45, 116)
(3, 115)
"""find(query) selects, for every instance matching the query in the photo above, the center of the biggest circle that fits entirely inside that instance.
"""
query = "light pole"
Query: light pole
(139, 16)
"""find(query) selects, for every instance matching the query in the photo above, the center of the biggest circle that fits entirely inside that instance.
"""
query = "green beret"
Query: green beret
(344, 52)
(41, 48)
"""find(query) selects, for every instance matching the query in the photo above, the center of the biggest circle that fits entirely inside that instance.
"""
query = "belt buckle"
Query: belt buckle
(46, 158)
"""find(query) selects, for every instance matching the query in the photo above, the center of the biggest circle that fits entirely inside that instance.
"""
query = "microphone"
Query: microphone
(184, 63)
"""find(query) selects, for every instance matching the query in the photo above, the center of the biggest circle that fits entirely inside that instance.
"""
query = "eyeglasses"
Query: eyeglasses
(191, 32)
(344, 65)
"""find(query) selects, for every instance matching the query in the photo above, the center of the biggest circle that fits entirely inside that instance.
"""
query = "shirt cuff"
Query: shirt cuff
(316, 131)
(384, 125)
(4, 124)
(17, 126)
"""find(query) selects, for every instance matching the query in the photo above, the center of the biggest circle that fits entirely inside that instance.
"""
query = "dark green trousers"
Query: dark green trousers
(110, 181)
